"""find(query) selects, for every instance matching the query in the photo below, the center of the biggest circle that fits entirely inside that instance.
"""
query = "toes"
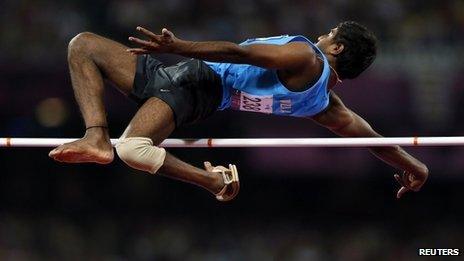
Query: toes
(55, 157)
(54, 152)
(65, 151)
(59, 153)
(80, 153)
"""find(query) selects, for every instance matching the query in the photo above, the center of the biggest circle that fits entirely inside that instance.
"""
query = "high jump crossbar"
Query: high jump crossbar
(261, 142)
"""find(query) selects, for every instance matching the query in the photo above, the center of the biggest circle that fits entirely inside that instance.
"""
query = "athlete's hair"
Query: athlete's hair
(360, 49)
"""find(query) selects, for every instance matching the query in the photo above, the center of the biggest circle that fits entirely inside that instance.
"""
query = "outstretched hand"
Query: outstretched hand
(156, 43)
(410, 181)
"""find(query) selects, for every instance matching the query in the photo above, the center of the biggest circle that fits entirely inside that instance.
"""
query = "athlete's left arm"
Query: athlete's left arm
(344, 122)
(296, 57)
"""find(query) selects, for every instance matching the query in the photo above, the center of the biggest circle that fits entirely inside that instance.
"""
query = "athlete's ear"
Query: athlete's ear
(336, 48)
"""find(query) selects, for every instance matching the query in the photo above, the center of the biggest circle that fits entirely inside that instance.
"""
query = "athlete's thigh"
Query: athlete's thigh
(116, 64)
(155, 120)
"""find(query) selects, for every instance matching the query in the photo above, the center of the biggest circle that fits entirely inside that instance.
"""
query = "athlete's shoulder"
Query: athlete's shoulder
(279, 40)
(307, 53)
(301, 46)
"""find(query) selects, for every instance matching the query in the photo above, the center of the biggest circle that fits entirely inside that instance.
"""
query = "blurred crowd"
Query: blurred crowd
(296, 204)
(35, 31)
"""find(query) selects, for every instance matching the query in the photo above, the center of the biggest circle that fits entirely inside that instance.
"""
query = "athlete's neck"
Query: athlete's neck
(334, 79)
(332, 60)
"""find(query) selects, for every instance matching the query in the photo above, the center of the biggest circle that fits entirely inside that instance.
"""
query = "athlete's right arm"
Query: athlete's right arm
(291, 56)
(344, 122)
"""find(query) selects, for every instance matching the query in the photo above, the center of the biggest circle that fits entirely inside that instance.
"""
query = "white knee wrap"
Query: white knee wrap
(139, 153)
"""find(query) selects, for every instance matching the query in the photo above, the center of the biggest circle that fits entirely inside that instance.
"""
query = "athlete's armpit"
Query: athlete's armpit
(335, 116)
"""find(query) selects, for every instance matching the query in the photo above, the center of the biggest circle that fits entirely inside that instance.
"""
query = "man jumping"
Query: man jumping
(283, 75)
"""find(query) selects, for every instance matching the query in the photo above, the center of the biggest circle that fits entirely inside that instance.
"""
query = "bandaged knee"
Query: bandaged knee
(139, 153)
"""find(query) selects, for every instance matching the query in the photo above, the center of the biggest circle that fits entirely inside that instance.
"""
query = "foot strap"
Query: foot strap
(231, 182)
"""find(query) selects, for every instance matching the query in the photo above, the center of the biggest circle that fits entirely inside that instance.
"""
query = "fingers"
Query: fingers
(411, 182)
(401, 192)
(146, 32)
(404, 185)
(137, 51)
(416, 185)
(398, 178)
(408, 182)
(141, 42)
(405, 178)
(166, 33)
(154, 43)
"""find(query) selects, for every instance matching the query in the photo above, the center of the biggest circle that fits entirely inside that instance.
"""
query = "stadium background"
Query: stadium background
(295, 204)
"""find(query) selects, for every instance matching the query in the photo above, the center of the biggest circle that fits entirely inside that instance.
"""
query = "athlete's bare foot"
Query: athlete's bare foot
(91, 148)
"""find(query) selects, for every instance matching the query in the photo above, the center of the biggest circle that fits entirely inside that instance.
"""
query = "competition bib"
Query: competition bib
(248, 102)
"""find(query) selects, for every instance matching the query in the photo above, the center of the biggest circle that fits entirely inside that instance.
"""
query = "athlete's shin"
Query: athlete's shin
(87, 80)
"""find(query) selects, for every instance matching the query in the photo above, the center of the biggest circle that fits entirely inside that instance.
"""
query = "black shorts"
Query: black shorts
(191, 88)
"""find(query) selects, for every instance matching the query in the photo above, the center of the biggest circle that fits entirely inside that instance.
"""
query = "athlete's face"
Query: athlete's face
(327, 44)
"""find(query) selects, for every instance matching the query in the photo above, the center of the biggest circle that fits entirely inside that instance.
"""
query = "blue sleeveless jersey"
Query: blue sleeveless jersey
(252, 88)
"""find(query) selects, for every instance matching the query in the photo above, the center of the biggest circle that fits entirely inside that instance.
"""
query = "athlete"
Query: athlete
(283, 75)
